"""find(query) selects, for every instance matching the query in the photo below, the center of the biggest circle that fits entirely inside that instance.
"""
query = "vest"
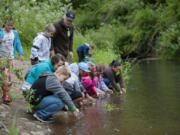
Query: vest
(39, 90)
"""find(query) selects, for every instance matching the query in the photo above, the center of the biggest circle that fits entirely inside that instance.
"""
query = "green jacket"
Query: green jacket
(45, 66)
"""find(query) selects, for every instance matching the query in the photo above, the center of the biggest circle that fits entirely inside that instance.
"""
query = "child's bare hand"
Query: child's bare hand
(76, 112)
(123, 90)
(102, 94)
(110, 91)
(83, 95)
(120, 93)
(93, 100)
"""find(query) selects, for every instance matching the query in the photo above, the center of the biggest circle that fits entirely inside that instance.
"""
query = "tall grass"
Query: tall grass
(13, 130)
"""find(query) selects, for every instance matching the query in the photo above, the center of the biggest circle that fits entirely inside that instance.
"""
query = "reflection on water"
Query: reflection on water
(151, 107)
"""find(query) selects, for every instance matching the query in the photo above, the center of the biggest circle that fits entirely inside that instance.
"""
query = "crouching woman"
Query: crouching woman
(49, 96)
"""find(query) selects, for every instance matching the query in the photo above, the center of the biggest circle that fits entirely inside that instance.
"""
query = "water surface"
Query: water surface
(151, 106)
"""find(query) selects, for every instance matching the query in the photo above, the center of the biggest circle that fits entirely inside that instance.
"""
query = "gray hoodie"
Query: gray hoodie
(53, 86)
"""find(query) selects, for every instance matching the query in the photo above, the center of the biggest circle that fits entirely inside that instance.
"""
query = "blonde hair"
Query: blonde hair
(64, 70)
(50, 28)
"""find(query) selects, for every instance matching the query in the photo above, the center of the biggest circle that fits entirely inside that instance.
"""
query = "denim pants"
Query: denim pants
(81, 56)
(106, 81)
(49, 106)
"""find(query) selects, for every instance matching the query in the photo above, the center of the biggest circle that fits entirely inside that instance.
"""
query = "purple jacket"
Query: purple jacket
(100, 84)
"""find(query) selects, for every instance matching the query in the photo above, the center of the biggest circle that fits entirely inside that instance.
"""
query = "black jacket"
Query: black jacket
(61, 42)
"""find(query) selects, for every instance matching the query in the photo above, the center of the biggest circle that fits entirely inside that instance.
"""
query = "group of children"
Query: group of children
(52, 82)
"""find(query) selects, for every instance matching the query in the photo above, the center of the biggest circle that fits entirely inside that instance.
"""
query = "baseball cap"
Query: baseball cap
(70, 15)
(83, 66)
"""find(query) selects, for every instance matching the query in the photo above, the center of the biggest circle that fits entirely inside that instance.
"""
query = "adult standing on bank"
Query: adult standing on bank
(62, 41)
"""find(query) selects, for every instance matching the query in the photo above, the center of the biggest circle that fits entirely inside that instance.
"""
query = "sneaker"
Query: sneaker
(47, 120)
(51, 118)
(65, 108)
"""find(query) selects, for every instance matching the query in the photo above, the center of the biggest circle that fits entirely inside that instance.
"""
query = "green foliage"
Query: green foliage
(110, 107)
(13, 96)
(170, 42)
(132, 27)
(5, 63)
(34, 19)
(87, 20)
(123, 43)
(6, 67)
(144, 30)
(118, 10)
(103, 37)
(13, 130)
(89, 15)
(31, 17)
(105, 55)
(29, 99)
(126, 70)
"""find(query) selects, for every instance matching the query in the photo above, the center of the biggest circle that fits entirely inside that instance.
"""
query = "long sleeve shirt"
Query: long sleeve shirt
(110, 74)
(100, 84)
(84, 49)
(16, 43)
(41, 47)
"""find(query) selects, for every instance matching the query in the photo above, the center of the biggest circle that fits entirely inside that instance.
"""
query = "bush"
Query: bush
(103, 37)
(31, 17)
(170, 42)
(123, 41)
(145, 31)
(105, 55)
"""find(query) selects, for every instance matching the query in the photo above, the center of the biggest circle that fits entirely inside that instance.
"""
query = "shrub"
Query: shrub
(170, 42)
(31, 17)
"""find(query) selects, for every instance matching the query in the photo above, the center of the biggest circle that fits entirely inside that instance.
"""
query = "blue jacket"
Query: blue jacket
(45, 66)
(17, 42)
(84, 48)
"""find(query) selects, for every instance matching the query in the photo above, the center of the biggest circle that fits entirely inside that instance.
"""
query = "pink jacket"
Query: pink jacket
(89, 84)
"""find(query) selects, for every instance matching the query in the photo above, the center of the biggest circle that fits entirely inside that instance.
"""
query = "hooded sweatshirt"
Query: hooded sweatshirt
(35, 71)
(16, 44)
(41, 47)
(48, 84)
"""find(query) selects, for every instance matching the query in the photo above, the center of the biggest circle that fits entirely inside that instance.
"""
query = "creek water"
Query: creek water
(151, 106)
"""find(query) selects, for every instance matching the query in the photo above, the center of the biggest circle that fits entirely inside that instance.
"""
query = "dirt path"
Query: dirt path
(25, 123)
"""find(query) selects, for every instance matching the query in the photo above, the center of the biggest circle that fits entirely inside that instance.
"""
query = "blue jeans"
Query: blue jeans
(106, 81)
(81, 56)
(49, 105)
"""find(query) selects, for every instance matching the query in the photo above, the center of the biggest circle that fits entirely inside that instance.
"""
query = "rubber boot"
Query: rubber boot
(5, 94)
